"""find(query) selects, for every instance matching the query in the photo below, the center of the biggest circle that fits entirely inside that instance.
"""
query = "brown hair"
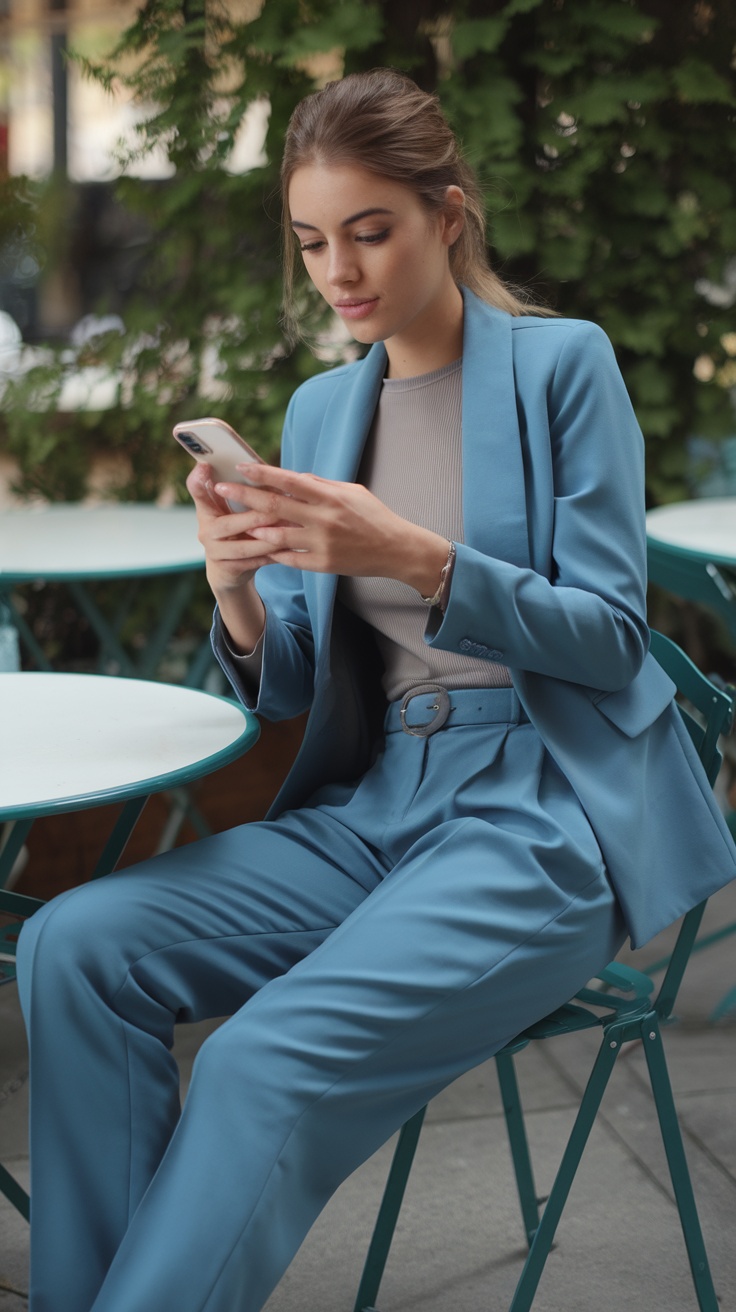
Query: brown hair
(384, 122)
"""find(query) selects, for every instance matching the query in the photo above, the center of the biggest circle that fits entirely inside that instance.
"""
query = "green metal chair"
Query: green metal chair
(711, 583)
(625, 1006)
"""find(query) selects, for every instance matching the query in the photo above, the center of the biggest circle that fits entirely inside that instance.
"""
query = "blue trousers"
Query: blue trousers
(367, 949)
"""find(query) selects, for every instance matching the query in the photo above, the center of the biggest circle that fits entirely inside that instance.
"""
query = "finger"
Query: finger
(236, 524)
(239, 555)
(197, 480)
(235, 494)
(241, 523)
(201, 489)
(281, 537)
(235, 570)
(302, 487)
(270, 504)
(301, 560)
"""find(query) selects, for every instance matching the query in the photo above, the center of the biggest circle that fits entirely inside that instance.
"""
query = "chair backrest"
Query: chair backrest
(710, 584)
(708, 713)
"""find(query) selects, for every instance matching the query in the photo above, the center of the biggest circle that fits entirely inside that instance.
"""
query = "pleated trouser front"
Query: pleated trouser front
(367, 950)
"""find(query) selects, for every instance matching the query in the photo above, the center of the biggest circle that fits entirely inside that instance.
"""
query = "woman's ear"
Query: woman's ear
(453, 214)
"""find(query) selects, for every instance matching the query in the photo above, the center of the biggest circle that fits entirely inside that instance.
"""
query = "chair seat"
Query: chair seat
(599, 1005)
(564, 1020)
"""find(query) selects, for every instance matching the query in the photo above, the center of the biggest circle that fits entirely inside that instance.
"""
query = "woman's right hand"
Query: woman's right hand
(231, 557)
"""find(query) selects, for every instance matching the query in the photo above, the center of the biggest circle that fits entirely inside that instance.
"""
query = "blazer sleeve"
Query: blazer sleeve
(586, 621)
(286, 683)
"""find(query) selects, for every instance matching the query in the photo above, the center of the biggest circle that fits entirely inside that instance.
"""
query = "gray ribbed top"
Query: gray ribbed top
(413, 464)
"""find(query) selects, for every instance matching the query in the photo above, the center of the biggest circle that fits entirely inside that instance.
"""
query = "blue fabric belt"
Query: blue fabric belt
(430, 707)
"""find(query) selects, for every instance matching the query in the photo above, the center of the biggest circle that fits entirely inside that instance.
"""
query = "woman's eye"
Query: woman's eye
(367, 239)
(373, 238)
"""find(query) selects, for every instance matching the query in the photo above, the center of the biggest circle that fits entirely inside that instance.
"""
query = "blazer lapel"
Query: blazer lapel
(348, 418)
(345, 427)
(494, 502)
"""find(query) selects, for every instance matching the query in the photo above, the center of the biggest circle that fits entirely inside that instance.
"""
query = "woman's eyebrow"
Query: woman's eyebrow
(362, 214)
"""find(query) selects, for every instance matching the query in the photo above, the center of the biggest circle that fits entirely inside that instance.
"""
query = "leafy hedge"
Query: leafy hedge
(604, 132)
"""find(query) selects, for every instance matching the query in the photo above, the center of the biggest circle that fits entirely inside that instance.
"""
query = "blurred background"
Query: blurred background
(139, 239)
(139, 245)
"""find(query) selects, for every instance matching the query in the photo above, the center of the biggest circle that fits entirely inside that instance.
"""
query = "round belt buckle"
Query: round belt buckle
(440, 706)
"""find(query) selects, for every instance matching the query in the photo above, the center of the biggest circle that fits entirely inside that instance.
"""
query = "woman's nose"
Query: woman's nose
(342, 268)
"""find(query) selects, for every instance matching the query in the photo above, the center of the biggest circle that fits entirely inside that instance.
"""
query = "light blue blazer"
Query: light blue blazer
(550, 580)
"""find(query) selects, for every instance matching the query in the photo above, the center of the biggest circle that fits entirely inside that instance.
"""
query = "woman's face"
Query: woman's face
(376, 255)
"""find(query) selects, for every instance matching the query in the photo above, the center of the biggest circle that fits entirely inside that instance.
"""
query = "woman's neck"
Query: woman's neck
(432, 343)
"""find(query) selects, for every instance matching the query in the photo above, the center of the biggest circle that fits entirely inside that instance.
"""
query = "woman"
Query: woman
(462, 509)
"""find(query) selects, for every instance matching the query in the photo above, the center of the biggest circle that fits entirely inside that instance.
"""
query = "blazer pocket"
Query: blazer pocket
(632, 709)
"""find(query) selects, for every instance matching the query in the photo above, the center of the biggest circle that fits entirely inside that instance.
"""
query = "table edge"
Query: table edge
(144, 787)
(8, 579)
(691, 553)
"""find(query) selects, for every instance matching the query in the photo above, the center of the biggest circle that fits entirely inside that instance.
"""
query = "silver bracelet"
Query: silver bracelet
(439, 598)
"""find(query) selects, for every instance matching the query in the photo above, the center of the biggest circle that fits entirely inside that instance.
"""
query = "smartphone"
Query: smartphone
(213, 442)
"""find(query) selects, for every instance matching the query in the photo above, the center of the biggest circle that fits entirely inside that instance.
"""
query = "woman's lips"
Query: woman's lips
(356, 309)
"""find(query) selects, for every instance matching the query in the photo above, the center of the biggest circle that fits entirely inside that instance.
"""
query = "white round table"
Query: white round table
(73, 741)
(78, 544)
(705, 528)
(97, 542)
(70, 741)
(691, 551)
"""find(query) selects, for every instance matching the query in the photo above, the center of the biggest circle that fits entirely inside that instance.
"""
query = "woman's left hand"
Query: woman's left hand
(324, 526)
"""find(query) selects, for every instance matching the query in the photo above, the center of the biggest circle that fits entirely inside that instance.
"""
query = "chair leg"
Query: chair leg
(388, 1214)
(677, 1162)
(12, 837)
(587, 1112)
(14, 1193)
(518, 1143)
(123, 828)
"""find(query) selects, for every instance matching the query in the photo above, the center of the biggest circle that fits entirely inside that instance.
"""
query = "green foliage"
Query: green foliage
(471, 35)
(617, 187)
(604, 132)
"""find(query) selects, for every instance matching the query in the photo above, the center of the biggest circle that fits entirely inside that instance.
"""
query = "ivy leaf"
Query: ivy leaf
(348, 23)
(474, 34)
(600, 103)
(622, 20)
(521, 7)
(513, 233)
(697, 83)
(555, 63)
(486, 120)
